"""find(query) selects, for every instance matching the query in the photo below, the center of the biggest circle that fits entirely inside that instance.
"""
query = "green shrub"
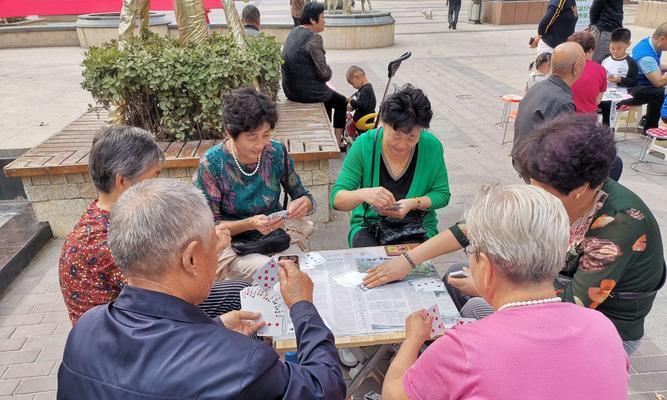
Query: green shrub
(176, 92)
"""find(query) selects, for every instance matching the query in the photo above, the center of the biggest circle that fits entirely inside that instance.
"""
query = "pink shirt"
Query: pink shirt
(585, 90)
(547, 351)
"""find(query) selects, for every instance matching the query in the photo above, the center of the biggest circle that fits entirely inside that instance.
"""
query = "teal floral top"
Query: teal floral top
(233, 196)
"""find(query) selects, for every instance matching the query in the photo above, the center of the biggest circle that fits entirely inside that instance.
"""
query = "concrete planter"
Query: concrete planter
(513, 12)
(96, 29)
(651, 13)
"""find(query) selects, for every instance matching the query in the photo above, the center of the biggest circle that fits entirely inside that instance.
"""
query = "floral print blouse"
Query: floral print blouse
(233, 196)
(87, 271)
(617, 248)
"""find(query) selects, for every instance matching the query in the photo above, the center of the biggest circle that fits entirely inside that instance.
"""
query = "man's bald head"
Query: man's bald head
(567, 61)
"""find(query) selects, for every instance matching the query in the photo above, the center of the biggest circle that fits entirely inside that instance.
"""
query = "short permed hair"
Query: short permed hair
(122, 150)
(250, 13)
(406, 108)
(585, 40)
(567, 152)
(311, 11)
(621, 35)
(245, 110)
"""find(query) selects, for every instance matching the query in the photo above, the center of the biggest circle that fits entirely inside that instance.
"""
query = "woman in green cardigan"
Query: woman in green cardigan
(408, 177)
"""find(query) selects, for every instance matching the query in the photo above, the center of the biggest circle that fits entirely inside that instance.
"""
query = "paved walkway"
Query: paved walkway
(464, 73)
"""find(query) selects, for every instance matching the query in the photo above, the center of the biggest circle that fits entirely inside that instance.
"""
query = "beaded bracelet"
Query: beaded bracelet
(407, 257)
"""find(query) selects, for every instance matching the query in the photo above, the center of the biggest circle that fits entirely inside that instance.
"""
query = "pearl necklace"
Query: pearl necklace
(259, 161)
(530, 303)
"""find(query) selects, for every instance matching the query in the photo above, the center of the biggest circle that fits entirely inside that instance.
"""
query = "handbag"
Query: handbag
(389, 230)
(253, 241)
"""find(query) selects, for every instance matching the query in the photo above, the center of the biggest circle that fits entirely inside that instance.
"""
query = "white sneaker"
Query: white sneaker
(347, 358)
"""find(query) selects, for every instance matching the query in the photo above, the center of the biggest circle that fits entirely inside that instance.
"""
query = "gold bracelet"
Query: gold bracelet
(419, 202)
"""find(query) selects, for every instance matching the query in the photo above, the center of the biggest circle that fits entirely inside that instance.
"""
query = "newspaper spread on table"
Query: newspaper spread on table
(348, 311)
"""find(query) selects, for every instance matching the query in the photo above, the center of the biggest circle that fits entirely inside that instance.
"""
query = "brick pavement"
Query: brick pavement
(463, 72)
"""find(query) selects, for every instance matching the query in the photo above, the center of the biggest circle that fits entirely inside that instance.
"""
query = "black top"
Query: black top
(607, 15)
(305, 72)
(558, 22)
(400, 187)
(363, 101)
(544, 101)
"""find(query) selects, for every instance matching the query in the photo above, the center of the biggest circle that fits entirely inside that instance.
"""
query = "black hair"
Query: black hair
(311, 12)
(406, 108)
(540, 60)
(567, 152)
(250, 13)
(245, 110)
(621, 35)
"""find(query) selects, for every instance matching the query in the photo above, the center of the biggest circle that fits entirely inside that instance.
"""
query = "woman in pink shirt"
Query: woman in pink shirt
(533, 346)
(587, 91)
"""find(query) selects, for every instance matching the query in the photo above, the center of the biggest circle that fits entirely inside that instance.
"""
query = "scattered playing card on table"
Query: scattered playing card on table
(279, 215)
(311, 260)
(267, 275)
(363, 289)
(428, 285)
(437, 326)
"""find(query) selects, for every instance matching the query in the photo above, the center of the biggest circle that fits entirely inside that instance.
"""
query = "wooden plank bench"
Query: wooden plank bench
(55, 172)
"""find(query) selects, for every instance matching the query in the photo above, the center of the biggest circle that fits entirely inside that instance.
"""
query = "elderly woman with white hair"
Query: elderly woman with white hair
(534, 346)
(153, 342)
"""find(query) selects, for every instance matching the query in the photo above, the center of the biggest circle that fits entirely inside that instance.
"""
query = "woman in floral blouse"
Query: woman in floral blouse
(120, 157)
(615, 260)
(241, 179)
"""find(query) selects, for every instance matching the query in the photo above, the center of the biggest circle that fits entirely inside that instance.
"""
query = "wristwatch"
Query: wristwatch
(407, 257)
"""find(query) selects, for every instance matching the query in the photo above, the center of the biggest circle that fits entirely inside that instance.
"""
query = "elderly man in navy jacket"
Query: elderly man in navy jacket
(154, 343)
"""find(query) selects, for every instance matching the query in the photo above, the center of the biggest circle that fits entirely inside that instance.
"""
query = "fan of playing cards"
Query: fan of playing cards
(265, 298)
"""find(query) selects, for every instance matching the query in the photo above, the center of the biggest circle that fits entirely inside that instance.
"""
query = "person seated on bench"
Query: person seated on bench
(154, 343)
(534, 346)
(242, 178)
(89, 276)
(615, 259)
(305, 72)
(396, 171)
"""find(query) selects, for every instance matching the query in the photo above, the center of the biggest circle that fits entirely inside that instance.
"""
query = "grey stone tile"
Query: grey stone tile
(18, 357)
(648, 382)
(34, 330)
(8, 386)
(647, 348)
(57, 316)
(36, 385)
(645, 396)
(45, 342)
(46, 396)
(18, 397)
(650, 363)
(11, 344)
(29, 370)
(54, 353)
(6, 332)
(23, 319)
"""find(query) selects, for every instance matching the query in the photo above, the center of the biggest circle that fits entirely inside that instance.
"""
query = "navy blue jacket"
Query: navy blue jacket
(149, 345)
(558, 22)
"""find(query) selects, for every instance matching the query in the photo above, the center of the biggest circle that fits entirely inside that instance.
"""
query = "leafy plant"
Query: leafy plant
(176, 91)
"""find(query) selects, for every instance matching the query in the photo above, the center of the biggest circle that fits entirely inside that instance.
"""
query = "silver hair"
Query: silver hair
(121, 150)
(523, 230)
(153, 222)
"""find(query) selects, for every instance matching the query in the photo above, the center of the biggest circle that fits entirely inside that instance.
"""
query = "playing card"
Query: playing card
(437, 326)
(428, 285)
(350, 279)
(283, 214)
(398, 249)
(267, 275)
(360, 287)
(269, 304)
(311, 260)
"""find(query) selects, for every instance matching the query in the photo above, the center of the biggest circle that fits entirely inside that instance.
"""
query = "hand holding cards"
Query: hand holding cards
(437, 326)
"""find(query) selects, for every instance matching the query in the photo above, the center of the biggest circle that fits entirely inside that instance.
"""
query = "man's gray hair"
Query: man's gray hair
(121, 150)
(153, 222)
(522, 229)
(660, 31)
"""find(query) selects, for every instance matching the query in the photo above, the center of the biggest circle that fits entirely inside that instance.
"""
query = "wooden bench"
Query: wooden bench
(55, 172)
